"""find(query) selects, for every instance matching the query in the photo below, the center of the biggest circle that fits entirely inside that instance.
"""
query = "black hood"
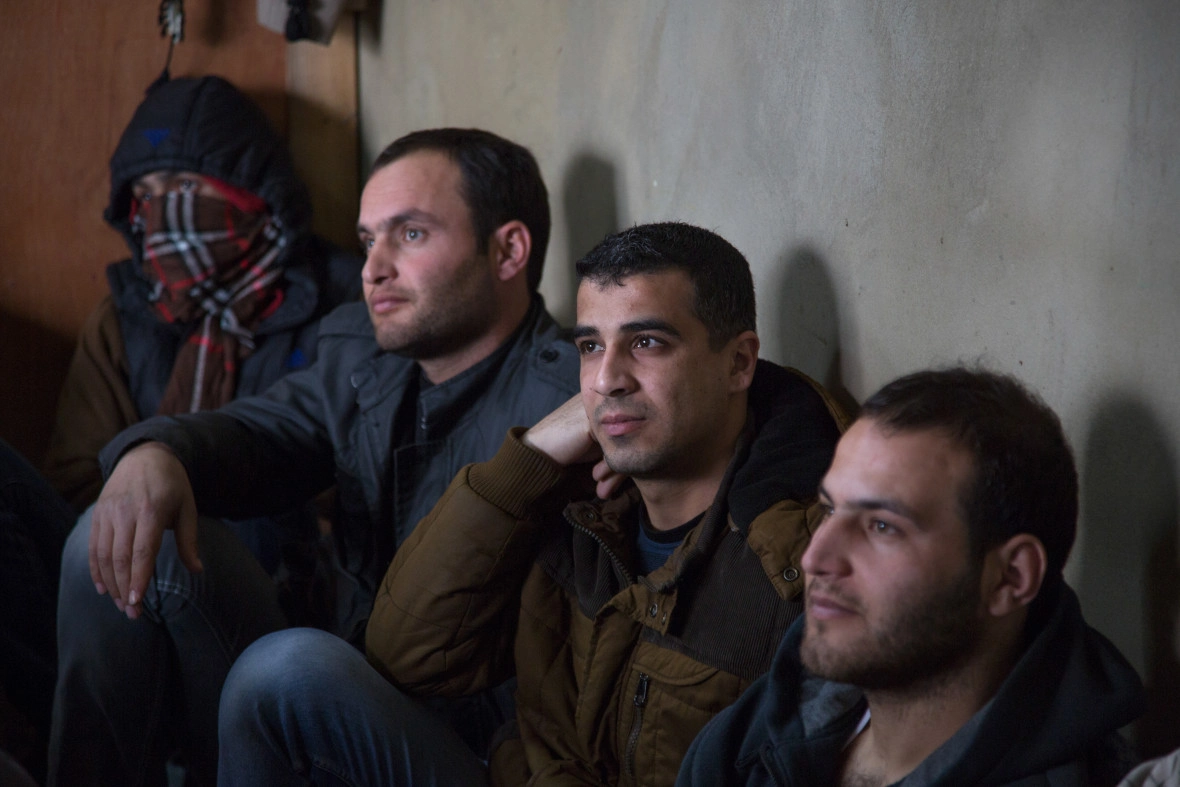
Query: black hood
(795, 432)
(209, 127)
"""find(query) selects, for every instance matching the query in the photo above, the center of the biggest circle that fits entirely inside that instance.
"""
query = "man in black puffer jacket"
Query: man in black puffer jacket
(204, 144)
(221, 296)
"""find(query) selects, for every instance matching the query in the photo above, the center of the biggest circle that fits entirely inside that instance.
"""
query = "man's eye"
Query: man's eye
(585, 348)
(413, 234)
(366, 245)
(647, 342)
(882, 527)
(188, 184)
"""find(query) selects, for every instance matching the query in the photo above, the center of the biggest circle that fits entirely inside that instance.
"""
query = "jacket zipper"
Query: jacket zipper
(636, 726)
(618, 564)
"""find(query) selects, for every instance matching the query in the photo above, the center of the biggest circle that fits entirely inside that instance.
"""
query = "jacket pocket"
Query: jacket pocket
(669, 699)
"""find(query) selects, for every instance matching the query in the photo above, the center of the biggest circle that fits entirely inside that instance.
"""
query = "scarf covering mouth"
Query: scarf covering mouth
(211, 263)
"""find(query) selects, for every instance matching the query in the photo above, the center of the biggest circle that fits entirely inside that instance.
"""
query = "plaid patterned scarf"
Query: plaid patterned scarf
(211, 263)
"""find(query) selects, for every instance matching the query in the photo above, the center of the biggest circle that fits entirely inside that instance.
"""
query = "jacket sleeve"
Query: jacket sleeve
(444, 620)
(95, 405)
(256, 455)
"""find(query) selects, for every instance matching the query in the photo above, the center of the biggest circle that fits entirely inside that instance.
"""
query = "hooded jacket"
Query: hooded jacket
(125, 353)
(616, 673)
(1054, 721)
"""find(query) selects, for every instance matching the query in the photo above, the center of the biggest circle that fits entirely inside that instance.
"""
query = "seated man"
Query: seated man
(940, 644)
(198, 163)
(225, 286)
(628, 622)
(455, 346)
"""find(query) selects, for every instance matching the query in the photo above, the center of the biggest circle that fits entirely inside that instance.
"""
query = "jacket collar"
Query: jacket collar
(439, 406)
(1068, 691)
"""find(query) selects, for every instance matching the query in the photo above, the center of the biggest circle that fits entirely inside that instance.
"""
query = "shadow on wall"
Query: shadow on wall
(808, 323)
(33, 363)
(590, 201)
(1129, 582)
(369, 24)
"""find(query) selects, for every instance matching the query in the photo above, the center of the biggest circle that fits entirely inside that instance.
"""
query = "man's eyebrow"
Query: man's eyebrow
(874, 504)
(635, 326)
(413, 214)
(650, 324)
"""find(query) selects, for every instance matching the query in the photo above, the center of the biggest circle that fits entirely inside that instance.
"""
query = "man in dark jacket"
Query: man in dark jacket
(198, 165)
(454, 347)
(206, 196)
(940, 643)
(629, 622)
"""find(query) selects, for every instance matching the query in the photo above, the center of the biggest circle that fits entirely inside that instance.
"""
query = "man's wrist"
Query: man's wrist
(527, 438)
(515, 476)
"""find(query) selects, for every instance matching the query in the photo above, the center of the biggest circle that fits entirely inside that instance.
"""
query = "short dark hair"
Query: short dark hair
(501, 183)
(723, 296)
(1025, 480)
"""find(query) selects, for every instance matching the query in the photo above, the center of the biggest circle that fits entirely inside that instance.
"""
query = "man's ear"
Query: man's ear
(510, 247)
(743, 350)
(1013, 574)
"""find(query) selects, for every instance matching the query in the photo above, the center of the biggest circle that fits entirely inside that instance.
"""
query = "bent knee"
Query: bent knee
(280, 663)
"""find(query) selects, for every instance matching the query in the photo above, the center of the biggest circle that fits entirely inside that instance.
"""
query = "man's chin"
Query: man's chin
(629, 463)
(820, 656)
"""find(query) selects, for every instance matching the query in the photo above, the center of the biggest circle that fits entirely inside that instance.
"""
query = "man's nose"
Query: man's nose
(827, 553)
(614, 376)
(379, 265)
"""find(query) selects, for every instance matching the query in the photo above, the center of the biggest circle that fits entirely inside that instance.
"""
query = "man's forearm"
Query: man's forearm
(237, 466)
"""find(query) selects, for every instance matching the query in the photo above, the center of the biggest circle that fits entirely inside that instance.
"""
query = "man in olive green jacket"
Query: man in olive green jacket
(628, 622)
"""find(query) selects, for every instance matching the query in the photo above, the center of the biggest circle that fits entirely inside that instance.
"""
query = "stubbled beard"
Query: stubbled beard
(922, 642)
(444, 322)
(433, 338)
(636, 464)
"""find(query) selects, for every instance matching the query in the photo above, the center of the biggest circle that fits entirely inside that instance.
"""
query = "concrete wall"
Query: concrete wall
(912, 183)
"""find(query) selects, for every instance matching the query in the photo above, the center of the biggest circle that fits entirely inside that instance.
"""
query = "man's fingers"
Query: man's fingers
(147, 493)
(103, 539)
(144, 549)
(608, 481)
(122, 542)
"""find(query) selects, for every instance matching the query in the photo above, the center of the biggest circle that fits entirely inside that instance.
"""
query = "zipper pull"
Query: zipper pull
(641, 691)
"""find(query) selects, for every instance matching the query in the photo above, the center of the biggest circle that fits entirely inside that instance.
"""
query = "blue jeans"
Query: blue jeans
(303, 707)
(130, 691)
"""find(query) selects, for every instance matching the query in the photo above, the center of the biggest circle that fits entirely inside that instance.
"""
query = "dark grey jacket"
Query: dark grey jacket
(333, 422)
(1054, 721)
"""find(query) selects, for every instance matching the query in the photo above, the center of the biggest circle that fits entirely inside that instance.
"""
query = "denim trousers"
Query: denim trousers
(34, 523)
(303, 707)
(130, 692)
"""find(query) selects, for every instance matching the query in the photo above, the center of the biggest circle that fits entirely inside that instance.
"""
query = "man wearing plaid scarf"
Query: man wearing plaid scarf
(221, 295)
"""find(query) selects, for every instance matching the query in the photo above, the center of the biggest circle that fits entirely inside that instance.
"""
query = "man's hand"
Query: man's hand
(564, 436)
(147, 493)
